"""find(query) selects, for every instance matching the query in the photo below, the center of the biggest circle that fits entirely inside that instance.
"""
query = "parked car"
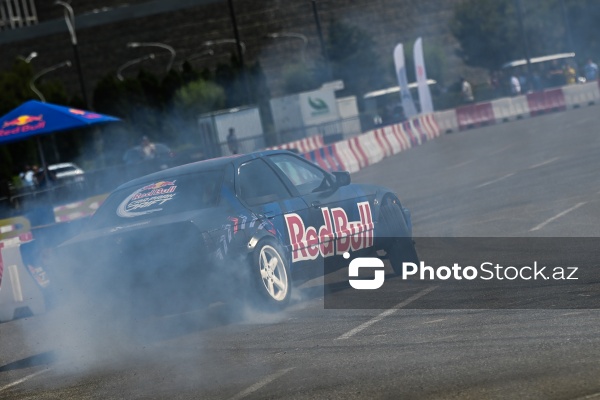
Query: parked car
(66, 173)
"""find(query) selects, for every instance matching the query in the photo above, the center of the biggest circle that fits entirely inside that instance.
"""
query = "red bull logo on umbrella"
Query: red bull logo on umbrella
(84, 114)
(23, 123)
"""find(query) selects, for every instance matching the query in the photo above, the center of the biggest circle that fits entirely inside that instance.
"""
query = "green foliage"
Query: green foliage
(487, 31)
(353, 59)
(489, 35)
(299, 78)
(200, 97)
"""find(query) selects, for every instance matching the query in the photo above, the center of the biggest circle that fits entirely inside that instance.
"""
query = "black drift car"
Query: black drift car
(222, 226)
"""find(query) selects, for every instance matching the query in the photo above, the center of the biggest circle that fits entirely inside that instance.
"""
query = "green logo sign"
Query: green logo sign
(318, 106)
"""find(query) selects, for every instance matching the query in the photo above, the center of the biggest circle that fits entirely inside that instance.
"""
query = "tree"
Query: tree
(489, 35)
(487, 31)
(299, 78)
(353, 59)
(200, 97)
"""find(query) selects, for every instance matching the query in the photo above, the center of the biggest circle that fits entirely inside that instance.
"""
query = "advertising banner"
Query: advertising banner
(423, 87)
(407, 102)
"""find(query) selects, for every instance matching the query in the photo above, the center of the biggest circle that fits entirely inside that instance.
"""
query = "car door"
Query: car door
(264, 192)
(339, 215)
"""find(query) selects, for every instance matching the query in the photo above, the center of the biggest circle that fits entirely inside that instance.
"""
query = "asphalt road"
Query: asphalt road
(532, 177)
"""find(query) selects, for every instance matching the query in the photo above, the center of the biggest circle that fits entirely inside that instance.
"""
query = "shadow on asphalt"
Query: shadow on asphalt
(46, 358)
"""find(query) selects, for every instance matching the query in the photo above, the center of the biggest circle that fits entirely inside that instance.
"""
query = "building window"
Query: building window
(17, 14)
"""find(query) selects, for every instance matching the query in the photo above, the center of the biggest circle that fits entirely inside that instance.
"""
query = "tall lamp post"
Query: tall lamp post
(196, 56)
(321, 40)
(292, 35)
(70, 20)
(30, 57)
(240, 49)
(155, 44)
(133, 62)
(225, 41)
(42, 73)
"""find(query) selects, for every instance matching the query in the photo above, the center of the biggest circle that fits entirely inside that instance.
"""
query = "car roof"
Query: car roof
(201, 166)
(62, 165)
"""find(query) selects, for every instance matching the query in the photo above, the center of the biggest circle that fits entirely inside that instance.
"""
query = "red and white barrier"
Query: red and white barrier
(79, 209)
(551, 100)
(19, 293)
(303, 145)
(475, 115)
(346, 156)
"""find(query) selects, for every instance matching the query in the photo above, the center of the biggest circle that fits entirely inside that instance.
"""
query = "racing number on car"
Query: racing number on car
(310, 242)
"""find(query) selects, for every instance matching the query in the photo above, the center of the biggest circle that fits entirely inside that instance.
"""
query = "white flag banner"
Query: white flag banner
(407, 102)
(424, 93)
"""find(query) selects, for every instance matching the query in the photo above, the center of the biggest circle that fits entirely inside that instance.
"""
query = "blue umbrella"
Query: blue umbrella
(34, 118)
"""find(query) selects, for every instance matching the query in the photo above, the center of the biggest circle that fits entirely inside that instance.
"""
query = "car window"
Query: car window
(259, 184)
(160, 197)
(306, 177)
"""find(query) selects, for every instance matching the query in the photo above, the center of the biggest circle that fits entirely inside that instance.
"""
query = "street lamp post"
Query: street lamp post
(240, 49)
(30, 57)
(42, 73)
(292, 35)
(155, 44)
(132, 62)
(225, 41)
(70, 20)
(196, 56)
(321, 40)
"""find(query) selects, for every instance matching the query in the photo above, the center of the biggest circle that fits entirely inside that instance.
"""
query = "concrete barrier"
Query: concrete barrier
(582, 95)
(20, 295)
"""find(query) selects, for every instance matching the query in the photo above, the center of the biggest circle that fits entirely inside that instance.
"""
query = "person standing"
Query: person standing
(232, 142)
(466, 90)
(148, 149)
(590, 70)
(515, 86)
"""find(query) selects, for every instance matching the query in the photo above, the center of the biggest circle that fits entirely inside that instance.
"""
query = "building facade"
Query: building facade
(105, 27)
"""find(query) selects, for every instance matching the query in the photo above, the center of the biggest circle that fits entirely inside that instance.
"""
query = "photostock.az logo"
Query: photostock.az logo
(365, 262)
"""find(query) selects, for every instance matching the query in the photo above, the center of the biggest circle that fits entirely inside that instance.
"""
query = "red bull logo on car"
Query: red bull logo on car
(148, 196)
(23, 123)
(337, 235)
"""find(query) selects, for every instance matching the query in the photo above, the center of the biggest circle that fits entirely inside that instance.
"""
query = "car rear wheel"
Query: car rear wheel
(399, 244)
(272, 270)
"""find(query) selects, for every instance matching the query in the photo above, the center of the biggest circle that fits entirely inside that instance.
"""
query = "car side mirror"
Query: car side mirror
(342, 178)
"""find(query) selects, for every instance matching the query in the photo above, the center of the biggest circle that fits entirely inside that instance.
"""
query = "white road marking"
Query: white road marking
(557, 216)
(28, 377)
(495, 180)
(461, 164)
(435, 320)
(258, 385)
(544, 163)
(386, 313)
(500, 150)
(589, 396)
